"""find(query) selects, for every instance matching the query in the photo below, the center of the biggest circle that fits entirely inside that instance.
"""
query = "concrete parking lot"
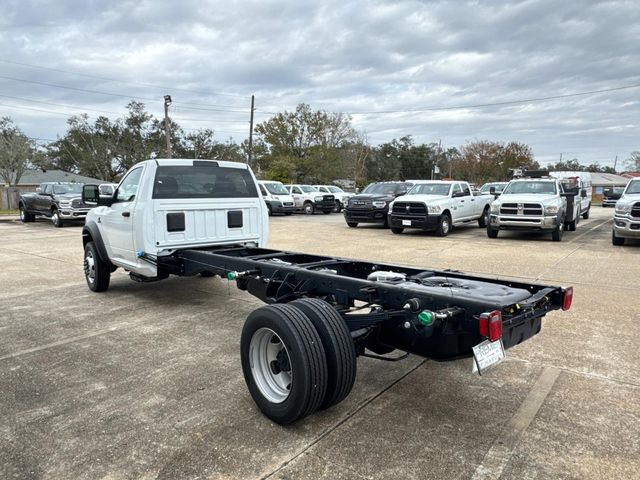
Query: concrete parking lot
(144, 381)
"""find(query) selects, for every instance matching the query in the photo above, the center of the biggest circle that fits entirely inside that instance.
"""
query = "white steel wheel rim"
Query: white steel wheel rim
(267, 353)
(90, 267)
(22, 214)
(308, 208)
(445, 225)
(54, 218)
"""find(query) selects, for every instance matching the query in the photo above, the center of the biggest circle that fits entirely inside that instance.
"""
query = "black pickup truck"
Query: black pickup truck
(61, 202)
(372, 205)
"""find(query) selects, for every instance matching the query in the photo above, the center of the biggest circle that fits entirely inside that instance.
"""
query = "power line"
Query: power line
(121, 95)
(123, 81)
(497, 104)
(58, 104)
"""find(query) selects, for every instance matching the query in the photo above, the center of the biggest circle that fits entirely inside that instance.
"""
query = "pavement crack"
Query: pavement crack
(341, 422)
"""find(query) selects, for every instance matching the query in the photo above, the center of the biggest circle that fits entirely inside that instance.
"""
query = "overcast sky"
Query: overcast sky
(364, 58)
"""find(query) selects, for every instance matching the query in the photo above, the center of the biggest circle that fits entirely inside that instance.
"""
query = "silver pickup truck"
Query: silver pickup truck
(626, 223)
(535, 204)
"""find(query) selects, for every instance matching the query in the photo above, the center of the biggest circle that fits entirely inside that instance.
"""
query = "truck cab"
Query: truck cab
(276, 197)
(438, 206)
(626, 223)
(535, 203)
(160, 205)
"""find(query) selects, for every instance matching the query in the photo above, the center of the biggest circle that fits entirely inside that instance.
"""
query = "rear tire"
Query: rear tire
(338, 348)
(397, 230)
(492, 232)
(483, 221)
(617, 241)
(571, 226)
(283, 362)
(270, 210)
(56, 220)
(26, 217)
(327, 212)
(338, 207)
(444, 226)
(585, 215)
(96, 272)
(352, 224)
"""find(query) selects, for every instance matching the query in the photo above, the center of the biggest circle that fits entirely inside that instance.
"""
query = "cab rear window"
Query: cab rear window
(203, 182)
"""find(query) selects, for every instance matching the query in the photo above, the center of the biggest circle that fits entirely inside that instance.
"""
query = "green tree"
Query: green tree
(311, 140)
(15, 152)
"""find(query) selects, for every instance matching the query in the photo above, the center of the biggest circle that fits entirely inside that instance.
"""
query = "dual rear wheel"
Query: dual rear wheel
(297, 358)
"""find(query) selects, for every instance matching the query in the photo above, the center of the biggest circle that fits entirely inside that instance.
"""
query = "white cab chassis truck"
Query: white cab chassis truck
(438, 206)
(298, 352)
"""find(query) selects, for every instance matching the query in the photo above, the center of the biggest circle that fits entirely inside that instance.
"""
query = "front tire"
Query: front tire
(283, 362)
(270, 210)
(492, 232)
(444, 226)
(585, 215)
(308, 208)
(327, 212)
(338, 347)
(397, 230)
(557, 233)
(617, 241)
(56, 220)
(483, 221)
(96, 272)
(352, 224)
(338, 207)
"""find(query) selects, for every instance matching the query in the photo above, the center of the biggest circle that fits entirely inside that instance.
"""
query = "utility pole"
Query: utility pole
(615, 163)
(250, 153)
(433, 169)
(167, 132)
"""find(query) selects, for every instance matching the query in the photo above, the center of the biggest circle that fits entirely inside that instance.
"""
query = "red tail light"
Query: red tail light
(491, 325)
(567, 298)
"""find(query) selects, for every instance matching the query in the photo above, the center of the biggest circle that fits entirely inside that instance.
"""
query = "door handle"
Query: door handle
(461, 201)
(126, 214)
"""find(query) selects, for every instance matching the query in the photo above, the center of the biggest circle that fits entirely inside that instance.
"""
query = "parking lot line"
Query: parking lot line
(500, 452)
(69, 340)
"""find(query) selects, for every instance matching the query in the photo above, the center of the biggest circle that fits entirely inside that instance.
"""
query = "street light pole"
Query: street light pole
(167, 131)
(250, 152)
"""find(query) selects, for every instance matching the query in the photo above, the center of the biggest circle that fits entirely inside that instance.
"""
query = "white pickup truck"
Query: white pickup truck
(438, 206)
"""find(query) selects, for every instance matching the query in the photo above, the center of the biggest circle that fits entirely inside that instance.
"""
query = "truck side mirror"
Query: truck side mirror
(38, 190)
(583, 194)
(91, 195)
(492, 190)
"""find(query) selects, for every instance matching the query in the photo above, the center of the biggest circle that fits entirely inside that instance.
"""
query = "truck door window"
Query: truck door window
(296, 190)
(456, 190)
(466, 189)
(203, 181)
(129, 186)
(48, 189)
(263, 191)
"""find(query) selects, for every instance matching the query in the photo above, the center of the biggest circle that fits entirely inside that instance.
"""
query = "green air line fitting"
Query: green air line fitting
(231, 275)
(426, 317)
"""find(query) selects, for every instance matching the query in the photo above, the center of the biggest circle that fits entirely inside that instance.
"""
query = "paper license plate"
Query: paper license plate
(406, 223)
(486, 355)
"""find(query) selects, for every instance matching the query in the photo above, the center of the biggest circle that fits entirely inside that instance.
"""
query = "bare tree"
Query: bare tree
(15, 151)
